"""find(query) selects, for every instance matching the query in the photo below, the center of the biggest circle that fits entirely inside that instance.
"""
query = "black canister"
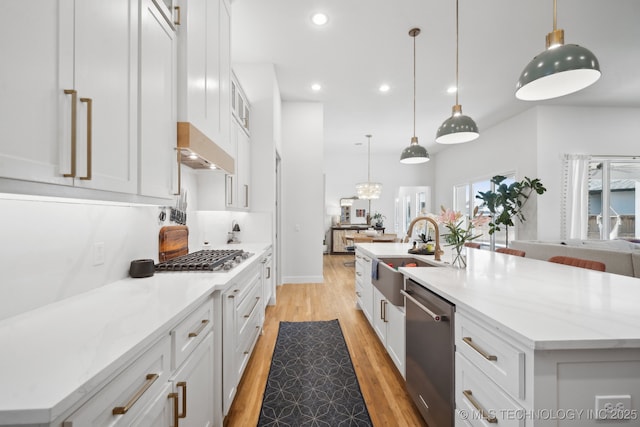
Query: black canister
(142, 268)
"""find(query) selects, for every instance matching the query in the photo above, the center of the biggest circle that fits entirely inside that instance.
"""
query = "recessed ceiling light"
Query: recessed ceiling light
(319, 19)
(316, 87)
(193, 156)
(452, 89)
(384, 88)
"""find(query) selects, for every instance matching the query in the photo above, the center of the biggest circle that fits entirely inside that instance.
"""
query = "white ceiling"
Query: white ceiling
(366, 43)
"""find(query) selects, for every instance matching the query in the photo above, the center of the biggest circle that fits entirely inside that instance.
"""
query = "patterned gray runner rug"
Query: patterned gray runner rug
(311, 381)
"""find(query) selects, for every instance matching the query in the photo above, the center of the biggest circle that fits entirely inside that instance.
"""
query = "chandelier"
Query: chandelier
(368, 190)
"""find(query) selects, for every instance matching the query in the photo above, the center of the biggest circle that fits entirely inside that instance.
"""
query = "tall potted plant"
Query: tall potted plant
(508, 201)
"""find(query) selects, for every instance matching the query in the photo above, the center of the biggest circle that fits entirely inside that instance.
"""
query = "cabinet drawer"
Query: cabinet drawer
(478, 399)
(501, 361)
(247, 307)
(246, 341)
(129, 392)
(190, 332)
(245, 285)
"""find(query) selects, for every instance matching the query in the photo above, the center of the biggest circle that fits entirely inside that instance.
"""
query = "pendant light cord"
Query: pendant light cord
(368, 159)
(457, 43)
(555, 12)
(414, 85)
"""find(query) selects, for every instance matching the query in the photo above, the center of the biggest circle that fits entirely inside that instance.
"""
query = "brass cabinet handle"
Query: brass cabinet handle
(177, 9)
(483, 353)
(203, 324)
(179, 160)
(119, 410)
(381, 309)
(268, 272)
(89, 103)
(176, 417)
(358, 273)
(366, 259)
(485, 415)
(358, 293)
(384, 317)
(246, 195)
(74, 119)
(183, 386)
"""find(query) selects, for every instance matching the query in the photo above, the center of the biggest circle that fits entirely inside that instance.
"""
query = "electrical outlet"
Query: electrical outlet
(98, 253)
(613, 407)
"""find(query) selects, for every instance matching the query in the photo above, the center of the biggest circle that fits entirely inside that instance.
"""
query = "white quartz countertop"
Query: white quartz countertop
(52, 356)
(540, 304)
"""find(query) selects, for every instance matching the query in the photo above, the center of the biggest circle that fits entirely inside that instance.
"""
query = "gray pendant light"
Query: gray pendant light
(560, 70)
(414, 153)
(458, 128)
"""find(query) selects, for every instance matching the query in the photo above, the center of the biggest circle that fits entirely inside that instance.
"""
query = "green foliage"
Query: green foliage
(508, 201)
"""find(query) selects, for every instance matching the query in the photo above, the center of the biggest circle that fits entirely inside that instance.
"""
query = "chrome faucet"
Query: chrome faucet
(438, 251)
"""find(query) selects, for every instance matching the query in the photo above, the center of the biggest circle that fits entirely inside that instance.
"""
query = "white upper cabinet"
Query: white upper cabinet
(158, 160)
(204, 68)
(69, 93)
(99, 47)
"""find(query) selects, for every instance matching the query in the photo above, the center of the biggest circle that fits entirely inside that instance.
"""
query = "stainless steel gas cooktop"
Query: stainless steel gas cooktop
(205, 260)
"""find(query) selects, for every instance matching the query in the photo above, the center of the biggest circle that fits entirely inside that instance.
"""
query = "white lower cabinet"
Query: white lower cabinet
(193, 383)
(170, 384)
(388, 322)
(490, 376)
(242, 324)
(364, 288)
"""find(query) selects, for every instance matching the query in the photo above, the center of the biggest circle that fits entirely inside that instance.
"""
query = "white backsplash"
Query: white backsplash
(48, 245)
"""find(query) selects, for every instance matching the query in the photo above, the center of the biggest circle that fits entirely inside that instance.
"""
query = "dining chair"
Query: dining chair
(472, 245)
(578, 262)
(510, 251)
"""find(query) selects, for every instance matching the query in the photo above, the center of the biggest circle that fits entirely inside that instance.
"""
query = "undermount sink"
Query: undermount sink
(390, 281)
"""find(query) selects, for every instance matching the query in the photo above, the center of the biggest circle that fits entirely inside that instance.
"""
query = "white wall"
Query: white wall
(302, 190)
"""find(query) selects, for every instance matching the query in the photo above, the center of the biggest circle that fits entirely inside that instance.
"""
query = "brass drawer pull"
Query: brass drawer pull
(89, 103)
(177, 9)
(176, 417)
(74, 126)
(183, 386)
(483, 353)
(485, 415)
(119, 410)
(203, 324)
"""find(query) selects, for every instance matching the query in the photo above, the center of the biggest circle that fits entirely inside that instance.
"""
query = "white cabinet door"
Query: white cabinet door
(103, 72)
(195, 379)
(31, 143)
(379, 322)
(69, 102)
(158, 161)
(396, 337)
(204, 60)
(244, 167)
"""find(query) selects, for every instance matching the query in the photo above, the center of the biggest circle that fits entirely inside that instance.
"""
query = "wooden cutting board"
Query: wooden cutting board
(173, 242)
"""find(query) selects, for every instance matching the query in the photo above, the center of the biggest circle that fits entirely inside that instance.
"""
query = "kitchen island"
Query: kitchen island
(539, 343)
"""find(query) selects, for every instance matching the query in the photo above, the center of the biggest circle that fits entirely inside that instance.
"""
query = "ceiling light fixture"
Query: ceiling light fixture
(368, 190)
(414, 153)
(458, 128)
(384, 88)
(560, 70)
(319, 19)
(316, 87)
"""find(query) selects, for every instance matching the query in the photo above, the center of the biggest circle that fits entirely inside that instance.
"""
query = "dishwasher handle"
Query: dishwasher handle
(434, 316)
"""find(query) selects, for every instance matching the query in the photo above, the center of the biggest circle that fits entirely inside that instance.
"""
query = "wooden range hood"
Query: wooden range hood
(193, 142)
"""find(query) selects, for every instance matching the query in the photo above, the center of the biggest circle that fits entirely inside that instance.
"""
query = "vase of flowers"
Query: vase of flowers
(378, 219)
(460, 233)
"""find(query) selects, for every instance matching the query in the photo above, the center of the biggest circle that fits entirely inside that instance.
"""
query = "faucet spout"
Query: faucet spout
(438, 252)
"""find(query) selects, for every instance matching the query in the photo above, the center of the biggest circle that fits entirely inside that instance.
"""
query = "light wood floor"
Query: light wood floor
(381, 384)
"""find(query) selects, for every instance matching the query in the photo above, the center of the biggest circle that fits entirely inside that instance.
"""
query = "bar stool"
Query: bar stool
(578, 262)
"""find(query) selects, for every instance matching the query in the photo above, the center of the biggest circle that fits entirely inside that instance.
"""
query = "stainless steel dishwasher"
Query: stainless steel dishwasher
(430, 354)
